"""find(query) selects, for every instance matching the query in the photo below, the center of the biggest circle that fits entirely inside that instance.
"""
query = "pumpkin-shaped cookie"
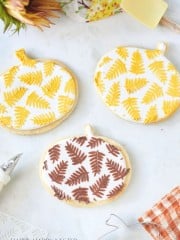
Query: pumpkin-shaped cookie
(85, 170)
(36, 95)
(137, 84)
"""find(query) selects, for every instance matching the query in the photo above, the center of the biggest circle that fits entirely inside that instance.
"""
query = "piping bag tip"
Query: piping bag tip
(9, 166)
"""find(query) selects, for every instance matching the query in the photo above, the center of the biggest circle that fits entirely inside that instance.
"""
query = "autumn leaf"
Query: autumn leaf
(116, 170)
(122, 52)
(52, 87)
(48, 68)
(58, 174)
(96, 158)
(14, 95)
(113, 150)
(100, 186)
(137, 65)
(95, 142)
(36, 101)
(116, 70)
(32, 78)
(44, 119)
(81, 175)
(113, 97)
(80, 140)
(115, 191)
(54, 153)
(76, 155)
(81, 194)
(174, 86)
(153, 93)
(60, 194)
(131, 106)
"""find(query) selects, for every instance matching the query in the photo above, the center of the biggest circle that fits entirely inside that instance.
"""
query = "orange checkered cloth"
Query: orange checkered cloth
(162, 222)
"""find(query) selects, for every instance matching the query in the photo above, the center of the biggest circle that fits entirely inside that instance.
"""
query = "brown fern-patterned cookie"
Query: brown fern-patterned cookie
(85, 170)
(36, 95)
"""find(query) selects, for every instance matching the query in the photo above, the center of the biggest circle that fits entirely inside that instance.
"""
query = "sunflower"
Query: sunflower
(33, 12)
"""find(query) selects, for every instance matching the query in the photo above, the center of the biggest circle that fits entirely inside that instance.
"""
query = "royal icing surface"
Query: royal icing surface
(35, 94)
(137, 84)
(84, 169)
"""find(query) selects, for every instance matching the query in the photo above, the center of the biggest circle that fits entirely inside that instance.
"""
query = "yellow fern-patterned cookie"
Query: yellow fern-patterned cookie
(137, 84)
(36, 95)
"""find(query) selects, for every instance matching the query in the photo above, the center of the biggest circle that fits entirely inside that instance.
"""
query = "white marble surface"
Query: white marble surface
(154, 150)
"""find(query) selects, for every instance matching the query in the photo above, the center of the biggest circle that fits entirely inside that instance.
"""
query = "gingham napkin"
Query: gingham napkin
(162, 222)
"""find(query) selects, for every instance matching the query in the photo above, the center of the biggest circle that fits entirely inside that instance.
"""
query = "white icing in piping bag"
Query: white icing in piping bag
(6, 170)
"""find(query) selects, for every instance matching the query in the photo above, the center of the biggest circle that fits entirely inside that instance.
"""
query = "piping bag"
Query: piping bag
(6, 170)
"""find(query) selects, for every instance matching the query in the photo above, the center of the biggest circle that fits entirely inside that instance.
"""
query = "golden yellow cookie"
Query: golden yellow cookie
(85, 170)
(36, 95)
(137, 84)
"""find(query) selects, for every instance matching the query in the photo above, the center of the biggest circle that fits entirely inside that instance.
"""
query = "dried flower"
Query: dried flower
(32, 12)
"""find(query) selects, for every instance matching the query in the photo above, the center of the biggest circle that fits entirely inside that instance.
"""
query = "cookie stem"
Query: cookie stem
(22, 57)
(162, 46)
(89, 130)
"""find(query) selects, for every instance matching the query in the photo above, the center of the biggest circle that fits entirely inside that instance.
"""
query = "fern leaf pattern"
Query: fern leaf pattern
(138, 84)
(60, 194)
(113, 97)
(76, 155)
(21, 115)
(85, 175)
(96, 158)
(117, 68)
(36, 101)
(52, 87)
(159, 70)
(115, 191)
(100, 186)
(151, 54)
(80, 140)
(14, 96)
(43, 91)
(104, 61)
(70, 86)
(122, 52)
(54, 153)
(32, 78)
(44, 119)
(137, 65)
(154, 92)
(116, 170)
(81, 195)
(2, 108)
(133, 85)
(113, 150)
(48, 68)
(174, 86)
(99, 82)
(132, 109)
(152, 115)
(10, 76)
(65, 104)
(94, 142)
(170, 107)
(5, 121)
(172, 68)
(81, 175)
(45, 165)
(58, 174)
